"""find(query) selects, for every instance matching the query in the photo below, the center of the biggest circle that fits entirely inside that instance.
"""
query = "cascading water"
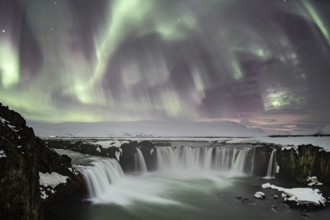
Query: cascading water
(100, 175)
(271, 166)
(240, 160)
(140, 163)
(101, 178)
(204, 158)
(106, 182)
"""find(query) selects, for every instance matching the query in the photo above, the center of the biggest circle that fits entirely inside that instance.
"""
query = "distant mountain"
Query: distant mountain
(325, 130)
(277, 132)
(146, 129)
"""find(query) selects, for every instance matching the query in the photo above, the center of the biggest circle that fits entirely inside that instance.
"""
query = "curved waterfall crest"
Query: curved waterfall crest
(100, 175)
(238, 160)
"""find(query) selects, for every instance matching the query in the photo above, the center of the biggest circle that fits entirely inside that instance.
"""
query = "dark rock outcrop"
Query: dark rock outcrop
(126, 150)
(22, 157)
(261, 159)
(19, 168)
(83, 147)
(129, 151)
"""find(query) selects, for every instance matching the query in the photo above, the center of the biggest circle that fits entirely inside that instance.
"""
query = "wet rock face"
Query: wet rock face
(149, 152)
(261, 159)
(307, 161)
(129, 153)
(22, 157)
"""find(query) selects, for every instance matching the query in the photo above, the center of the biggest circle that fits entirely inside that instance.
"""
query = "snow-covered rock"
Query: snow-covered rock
(259, 195)
(301, 196)
(48, 182)
(110, 143)
(313, 181)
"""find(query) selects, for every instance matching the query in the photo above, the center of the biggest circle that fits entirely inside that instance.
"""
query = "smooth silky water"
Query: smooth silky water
(189, 184)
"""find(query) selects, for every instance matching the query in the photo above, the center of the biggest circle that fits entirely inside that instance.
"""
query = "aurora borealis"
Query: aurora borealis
(256, 61)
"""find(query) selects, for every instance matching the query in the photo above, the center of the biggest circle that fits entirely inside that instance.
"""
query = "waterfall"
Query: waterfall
(241, 160)
(271, 165)
(100, 175)
(140, 163)
(204, 158)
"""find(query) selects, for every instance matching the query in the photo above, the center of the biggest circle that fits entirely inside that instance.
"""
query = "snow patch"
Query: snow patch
(4, 121)
(301, 196)
(313, 181)
(49, 181)
(277, 168)
(43, 194)
(73, 171)
(110, 143)
(2, 154)
(7, 123)
(259, 195)
(53, 179)
(45, 191)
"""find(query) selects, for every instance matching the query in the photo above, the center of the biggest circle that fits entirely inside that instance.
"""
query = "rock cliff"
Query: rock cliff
(23, 157)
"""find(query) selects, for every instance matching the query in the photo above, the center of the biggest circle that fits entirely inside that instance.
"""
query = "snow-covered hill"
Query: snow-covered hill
(146, 129)
(325, 130)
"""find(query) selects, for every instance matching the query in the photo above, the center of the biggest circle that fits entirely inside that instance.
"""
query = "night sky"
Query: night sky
(263, 63)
